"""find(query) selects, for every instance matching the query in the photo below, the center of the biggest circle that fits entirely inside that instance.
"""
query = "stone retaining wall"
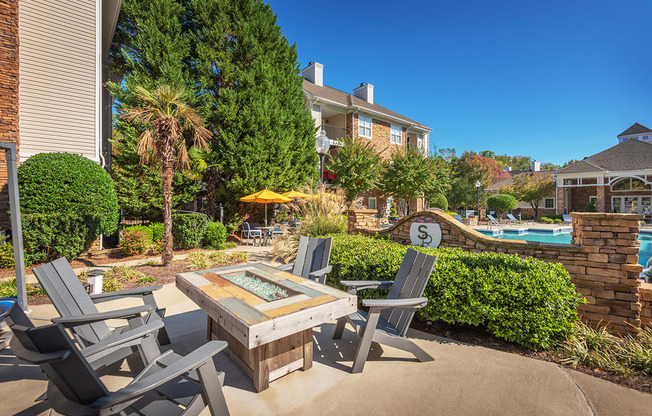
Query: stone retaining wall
(645, 297)
(602, 259)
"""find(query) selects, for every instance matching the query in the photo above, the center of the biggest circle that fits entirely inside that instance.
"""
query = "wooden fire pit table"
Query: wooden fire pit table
(265, 314)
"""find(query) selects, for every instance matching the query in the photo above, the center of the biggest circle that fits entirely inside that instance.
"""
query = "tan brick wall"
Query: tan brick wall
(602, 261)
(380, 136)
(8, 92)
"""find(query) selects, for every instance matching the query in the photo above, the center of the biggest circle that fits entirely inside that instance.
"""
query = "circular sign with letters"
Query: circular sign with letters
(425, 232)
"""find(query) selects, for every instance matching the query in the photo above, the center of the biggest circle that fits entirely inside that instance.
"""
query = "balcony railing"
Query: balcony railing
(334, 132)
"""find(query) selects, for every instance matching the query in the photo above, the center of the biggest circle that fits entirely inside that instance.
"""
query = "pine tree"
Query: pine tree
(151, 46)
(251, 95)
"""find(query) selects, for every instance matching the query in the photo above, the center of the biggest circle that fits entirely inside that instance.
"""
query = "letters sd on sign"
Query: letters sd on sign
(425, 232)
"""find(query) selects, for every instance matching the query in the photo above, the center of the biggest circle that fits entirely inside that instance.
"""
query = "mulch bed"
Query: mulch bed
(480, 337)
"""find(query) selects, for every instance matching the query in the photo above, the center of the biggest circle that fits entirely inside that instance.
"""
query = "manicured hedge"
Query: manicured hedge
(527, 301)
(188, 229)
(49, 236)
(68, 183)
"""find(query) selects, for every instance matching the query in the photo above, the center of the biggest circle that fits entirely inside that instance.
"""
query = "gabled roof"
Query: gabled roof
(350, 100)
(628, 155)
(635, 129)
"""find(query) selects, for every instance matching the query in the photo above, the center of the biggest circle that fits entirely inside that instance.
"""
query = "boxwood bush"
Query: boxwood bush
(49, 236)
(527, 301)
(68, 183)
(188, 229)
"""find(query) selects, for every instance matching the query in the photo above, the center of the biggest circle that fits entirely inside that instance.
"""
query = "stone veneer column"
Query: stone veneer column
(361, 218)
(610, 278)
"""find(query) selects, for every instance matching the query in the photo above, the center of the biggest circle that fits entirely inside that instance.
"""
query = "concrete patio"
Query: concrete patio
(463, 379)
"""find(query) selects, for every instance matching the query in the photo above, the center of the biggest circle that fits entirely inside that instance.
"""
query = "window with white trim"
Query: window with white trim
(549, 203)
(364, 126)
(395, 134)
(372, 203)
(421, 140)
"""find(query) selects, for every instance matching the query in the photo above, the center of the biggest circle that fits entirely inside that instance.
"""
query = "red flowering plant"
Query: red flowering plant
(329, 175)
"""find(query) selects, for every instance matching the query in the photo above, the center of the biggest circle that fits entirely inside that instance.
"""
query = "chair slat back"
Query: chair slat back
(70, 298)
(72, 376)
(245, 226)
(410, 282)
(312, 255)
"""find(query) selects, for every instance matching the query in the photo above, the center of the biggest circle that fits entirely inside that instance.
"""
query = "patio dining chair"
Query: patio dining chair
(88, 325)
(248, 232)
(312, 259)
(388, 319)
(184, 387)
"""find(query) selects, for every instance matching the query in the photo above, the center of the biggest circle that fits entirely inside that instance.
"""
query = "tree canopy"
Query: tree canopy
(356, 166)
(532, 188)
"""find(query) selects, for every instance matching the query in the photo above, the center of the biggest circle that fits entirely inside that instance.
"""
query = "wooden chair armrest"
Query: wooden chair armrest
(73, 321)
(146, 384)
(286, 267)
(355, 285)
(379, 304)
(126, 337)
(136, 292)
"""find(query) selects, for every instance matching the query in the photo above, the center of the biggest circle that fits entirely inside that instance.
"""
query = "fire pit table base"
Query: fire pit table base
(270, 361)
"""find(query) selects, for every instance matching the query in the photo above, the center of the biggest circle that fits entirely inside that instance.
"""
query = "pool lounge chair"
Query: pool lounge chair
(513, 220)
(492, 220)
(567, 219)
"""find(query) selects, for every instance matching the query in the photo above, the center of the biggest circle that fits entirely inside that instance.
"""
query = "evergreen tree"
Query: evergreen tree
(251, 95)
(151, 46)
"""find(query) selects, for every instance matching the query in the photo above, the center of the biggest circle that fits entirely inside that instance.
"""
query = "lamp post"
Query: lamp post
(322, 144)
(477, 186)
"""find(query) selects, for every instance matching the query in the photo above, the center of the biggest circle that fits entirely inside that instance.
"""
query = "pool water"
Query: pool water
(645, 251)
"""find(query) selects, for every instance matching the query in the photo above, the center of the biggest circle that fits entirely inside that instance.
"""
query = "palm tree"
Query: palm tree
(167, 121)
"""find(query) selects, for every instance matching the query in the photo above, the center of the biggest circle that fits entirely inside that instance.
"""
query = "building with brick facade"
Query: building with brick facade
(341, 114)
(617, 180)
(53, 68)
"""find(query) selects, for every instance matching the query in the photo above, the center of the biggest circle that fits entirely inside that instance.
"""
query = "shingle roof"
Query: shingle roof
(635, 129)
(628, 155)
(347, 99)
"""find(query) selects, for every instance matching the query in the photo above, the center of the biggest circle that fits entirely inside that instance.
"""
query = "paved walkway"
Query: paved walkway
(463, 379)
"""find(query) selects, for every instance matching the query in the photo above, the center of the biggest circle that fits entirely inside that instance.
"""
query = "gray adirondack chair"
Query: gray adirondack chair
(388, 319)
(79, 313)
(184, 387)
(141, 338)
(312, 259)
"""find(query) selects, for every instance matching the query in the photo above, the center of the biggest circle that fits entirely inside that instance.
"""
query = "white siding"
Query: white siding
(57, 77)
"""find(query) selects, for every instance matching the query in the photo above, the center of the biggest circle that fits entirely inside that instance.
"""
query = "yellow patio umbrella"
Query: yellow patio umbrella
(296, 194)
(263, 197)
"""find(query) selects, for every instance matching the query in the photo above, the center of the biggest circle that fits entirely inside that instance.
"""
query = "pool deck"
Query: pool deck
(523, 227)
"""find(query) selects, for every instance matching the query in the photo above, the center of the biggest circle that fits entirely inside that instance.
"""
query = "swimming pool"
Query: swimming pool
(565, 238)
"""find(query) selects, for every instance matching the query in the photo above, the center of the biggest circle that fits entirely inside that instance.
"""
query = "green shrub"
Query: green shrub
(215, 235)
(157, 231)
(547, 220)
(501, 203)
(553, 216)
(228, 245)
(527, 301)
(143, 228)
(188, 229)
(135, 241)
(7, 257)
(198, 260)
(49, 236)
(68, 183)
(439, 201)
(557, 221)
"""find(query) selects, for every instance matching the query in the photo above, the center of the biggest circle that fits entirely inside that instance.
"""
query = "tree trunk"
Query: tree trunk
(168, 254)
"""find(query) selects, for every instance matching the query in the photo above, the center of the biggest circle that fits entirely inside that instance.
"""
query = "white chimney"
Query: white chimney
(365, 91)
(536, 166)
(314, 73)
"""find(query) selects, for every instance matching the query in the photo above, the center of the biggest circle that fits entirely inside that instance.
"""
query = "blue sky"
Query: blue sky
(555, 80)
